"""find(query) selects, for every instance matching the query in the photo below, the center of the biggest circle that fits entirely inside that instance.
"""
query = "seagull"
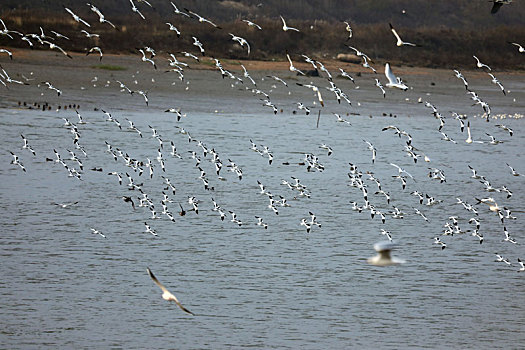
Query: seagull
(197, 43)
(506, 128)
(177, 11)
(499, 258)
(166, 295)
(496, 81)
(89, 35)
(202, 19)
(440, 242)
(346, 75)
(401, 170)
(187, 54)
(520, 48)
(27, 146)
(76, 18)
(348, 29)
(522, 268)
(136, 10)
(241, 41)
(16, 161)
(383, 257)
(469, 138)
(292, 68)
(100, 15)
(481, 65)
(54, 46)
(399, 41)
(373, 149)
(460, 76)
(98, 232)
(252, 24)
(149, 230)
(393, 81)
(97, 49)
(379, 85)
(173, 28)
(367, 65)
(514, 172)
(286, 28)
(315, 90)
(261, 223)
(9, 53)
(145, 59)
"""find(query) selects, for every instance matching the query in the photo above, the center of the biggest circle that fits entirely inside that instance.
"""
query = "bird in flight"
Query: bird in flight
(166, 295)
(399, 41)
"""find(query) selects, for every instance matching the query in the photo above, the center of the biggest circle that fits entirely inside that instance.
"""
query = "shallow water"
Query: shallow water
(250, 287)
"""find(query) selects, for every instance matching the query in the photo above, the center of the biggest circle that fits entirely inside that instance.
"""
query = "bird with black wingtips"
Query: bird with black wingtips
(166, 295)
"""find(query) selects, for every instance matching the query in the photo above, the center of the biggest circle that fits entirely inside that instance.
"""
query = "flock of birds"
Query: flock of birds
(361, 181)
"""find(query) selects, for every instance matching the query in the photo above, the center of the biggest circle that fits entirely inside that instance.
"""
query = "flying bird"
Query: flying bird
(399, 41)
(166, 295)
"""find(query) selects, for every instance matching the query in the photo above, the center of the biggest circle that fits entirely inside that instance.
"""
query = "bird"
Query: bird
(53, 46)
(149, 229)
(102, 19)
(384, 258)
(145, 59)
(348, 29)
(521, 49)
(522, 268)
(89, 35)
(393, 81)
(177, 11)
(77, 18)
(97, 232)
(380, 86)
(440, 242)
(460, 76)
(252, 24)
(292, 68)
(136, 10)
(16, 161)
(197, 43)
(173, 28)
(399, 41)
(166, 295)
(202, 19)
(469, 138)
(513, 172)
(286, 28)
(496, 81)
(481, 65)
(241, 41)
(9, 53)
(316, 90)
(497, 5)
(129, 200)
(97, 49)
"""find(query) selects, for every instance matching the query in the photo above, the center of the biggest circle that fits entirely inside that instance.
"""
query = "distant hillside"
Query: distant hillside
(473, 14)
(448, 32)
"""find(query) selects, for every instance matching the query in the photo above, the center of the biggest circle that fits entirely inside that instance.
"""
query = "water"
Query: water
(64, 287)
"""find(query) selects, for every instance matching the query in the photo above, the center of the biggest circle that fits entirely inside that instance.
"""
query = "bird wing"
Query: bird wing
(390, 75)
(395, 33)
(161, 286)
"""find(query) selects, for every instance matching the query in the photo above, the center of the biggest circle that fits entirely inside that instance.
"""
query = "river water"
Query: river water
(65, 287)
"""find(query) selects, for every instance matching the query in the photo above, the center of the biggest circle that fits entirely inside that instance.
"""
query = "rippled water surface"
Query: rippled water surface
(65, 287)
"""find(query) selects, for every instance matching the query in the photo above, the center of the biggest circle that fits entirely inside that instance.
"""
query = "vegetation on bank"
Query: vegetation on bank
(440, 46)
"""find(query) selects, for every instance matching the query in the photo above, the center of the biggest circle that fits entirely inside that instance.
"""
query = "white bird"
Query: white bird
(136, 10)
(469, 138)
(440, 242)
(348, 29)
(460, 76)
(522, 268)
(54, 46)
(145, 59)
(97, 232)
(173, 28)
(88, 34)
(102, 19)
(202, 19)
(315, 90)
(383, 258)
(521, 49)
(16, 161)
(496, 81)
(177, 11)
(292, 68)
(252, 24)
(241, 41)
(286, 28)
(9, 53)
(379, 85)
(393, 81)
(197, 43)
(346, 75)
(77, 18)
(97, 49)
(166, 295)
(481, 65)
(399, 41)
(149, 229)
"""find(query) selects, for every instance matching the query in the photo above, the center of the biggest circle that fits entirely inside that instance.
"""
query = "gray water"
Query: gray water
(65, 287)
